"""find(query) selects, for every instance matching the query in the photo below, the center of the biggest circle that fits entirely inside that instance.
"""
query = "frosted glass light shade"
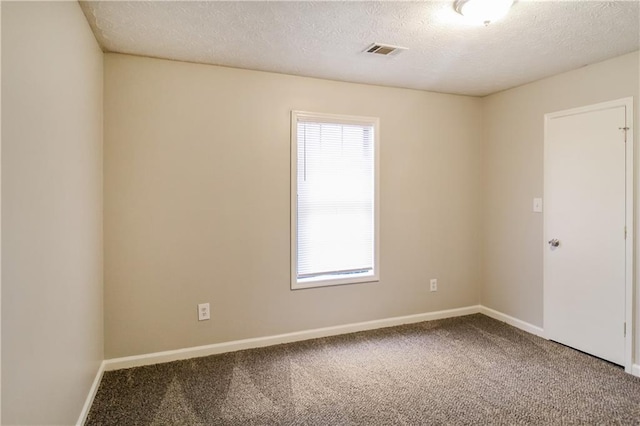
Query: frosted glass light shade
(483, 11)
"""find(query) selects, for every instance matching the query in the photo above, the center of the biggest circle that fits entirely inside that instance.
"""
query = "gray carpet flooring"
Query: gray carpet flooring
(467, 370)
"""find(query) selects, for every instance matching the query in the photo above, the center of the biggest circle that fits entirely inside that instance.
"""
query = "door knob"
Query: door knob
(554, 243)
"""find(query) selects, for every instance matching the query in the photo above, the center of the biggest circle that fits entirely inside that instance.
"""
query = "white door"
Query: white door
(585, 190)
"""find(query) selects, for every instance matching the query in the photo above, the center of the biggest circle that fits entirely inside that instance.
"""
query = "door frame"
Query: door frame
(629, 214)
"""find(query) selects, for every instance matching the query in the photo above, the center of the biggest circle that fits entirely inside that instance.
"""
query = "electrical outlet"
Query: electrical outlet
(434, 284)
(203, 312)
(537, 205)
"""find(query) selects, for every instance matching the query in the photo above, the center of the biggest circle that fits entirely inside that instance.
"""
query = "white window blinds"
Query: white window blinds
(335, 224)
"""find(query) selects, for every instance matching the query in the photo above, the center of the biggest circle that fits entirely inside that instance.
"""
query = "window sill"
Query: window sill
(329, 281)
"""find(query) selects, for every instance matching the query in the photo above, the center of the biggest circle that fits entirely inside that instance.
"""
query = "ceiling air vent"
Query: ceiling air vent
(384, 49)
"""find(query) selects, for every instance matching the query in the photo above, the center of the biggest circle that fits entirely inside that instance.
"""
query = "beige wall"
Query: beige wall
(52, 333)
(513, 175)
(197, 204)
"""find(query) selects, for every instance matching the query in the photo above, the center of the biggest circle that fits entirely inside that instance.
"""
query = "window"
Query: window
(334, 199)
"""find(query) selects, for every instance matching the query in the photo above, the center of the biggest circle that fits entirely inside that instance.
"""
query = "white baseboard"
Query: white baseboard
(237, 345)
(92, 394)
(217, 348)
(529, 328)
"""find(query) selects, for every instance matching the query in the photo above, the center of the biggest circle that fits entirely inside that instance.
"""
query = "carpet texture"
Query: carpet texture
(466, 370)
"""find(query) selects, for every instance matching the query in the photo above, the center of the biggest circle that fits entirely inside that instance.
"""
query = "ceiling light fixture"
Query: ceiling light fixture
(483, 11)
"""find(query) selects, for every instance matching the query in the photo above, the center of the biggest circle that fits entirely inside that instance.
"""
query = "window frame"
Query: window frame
(314, 282)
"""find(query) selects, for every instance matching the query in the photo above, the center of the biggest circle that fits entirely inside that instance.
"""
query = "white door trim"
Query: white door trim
(629, 214)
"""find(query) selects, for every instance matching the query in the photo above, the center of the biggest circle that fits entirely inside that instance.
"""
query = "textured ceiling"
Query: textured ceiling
(326, 39)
